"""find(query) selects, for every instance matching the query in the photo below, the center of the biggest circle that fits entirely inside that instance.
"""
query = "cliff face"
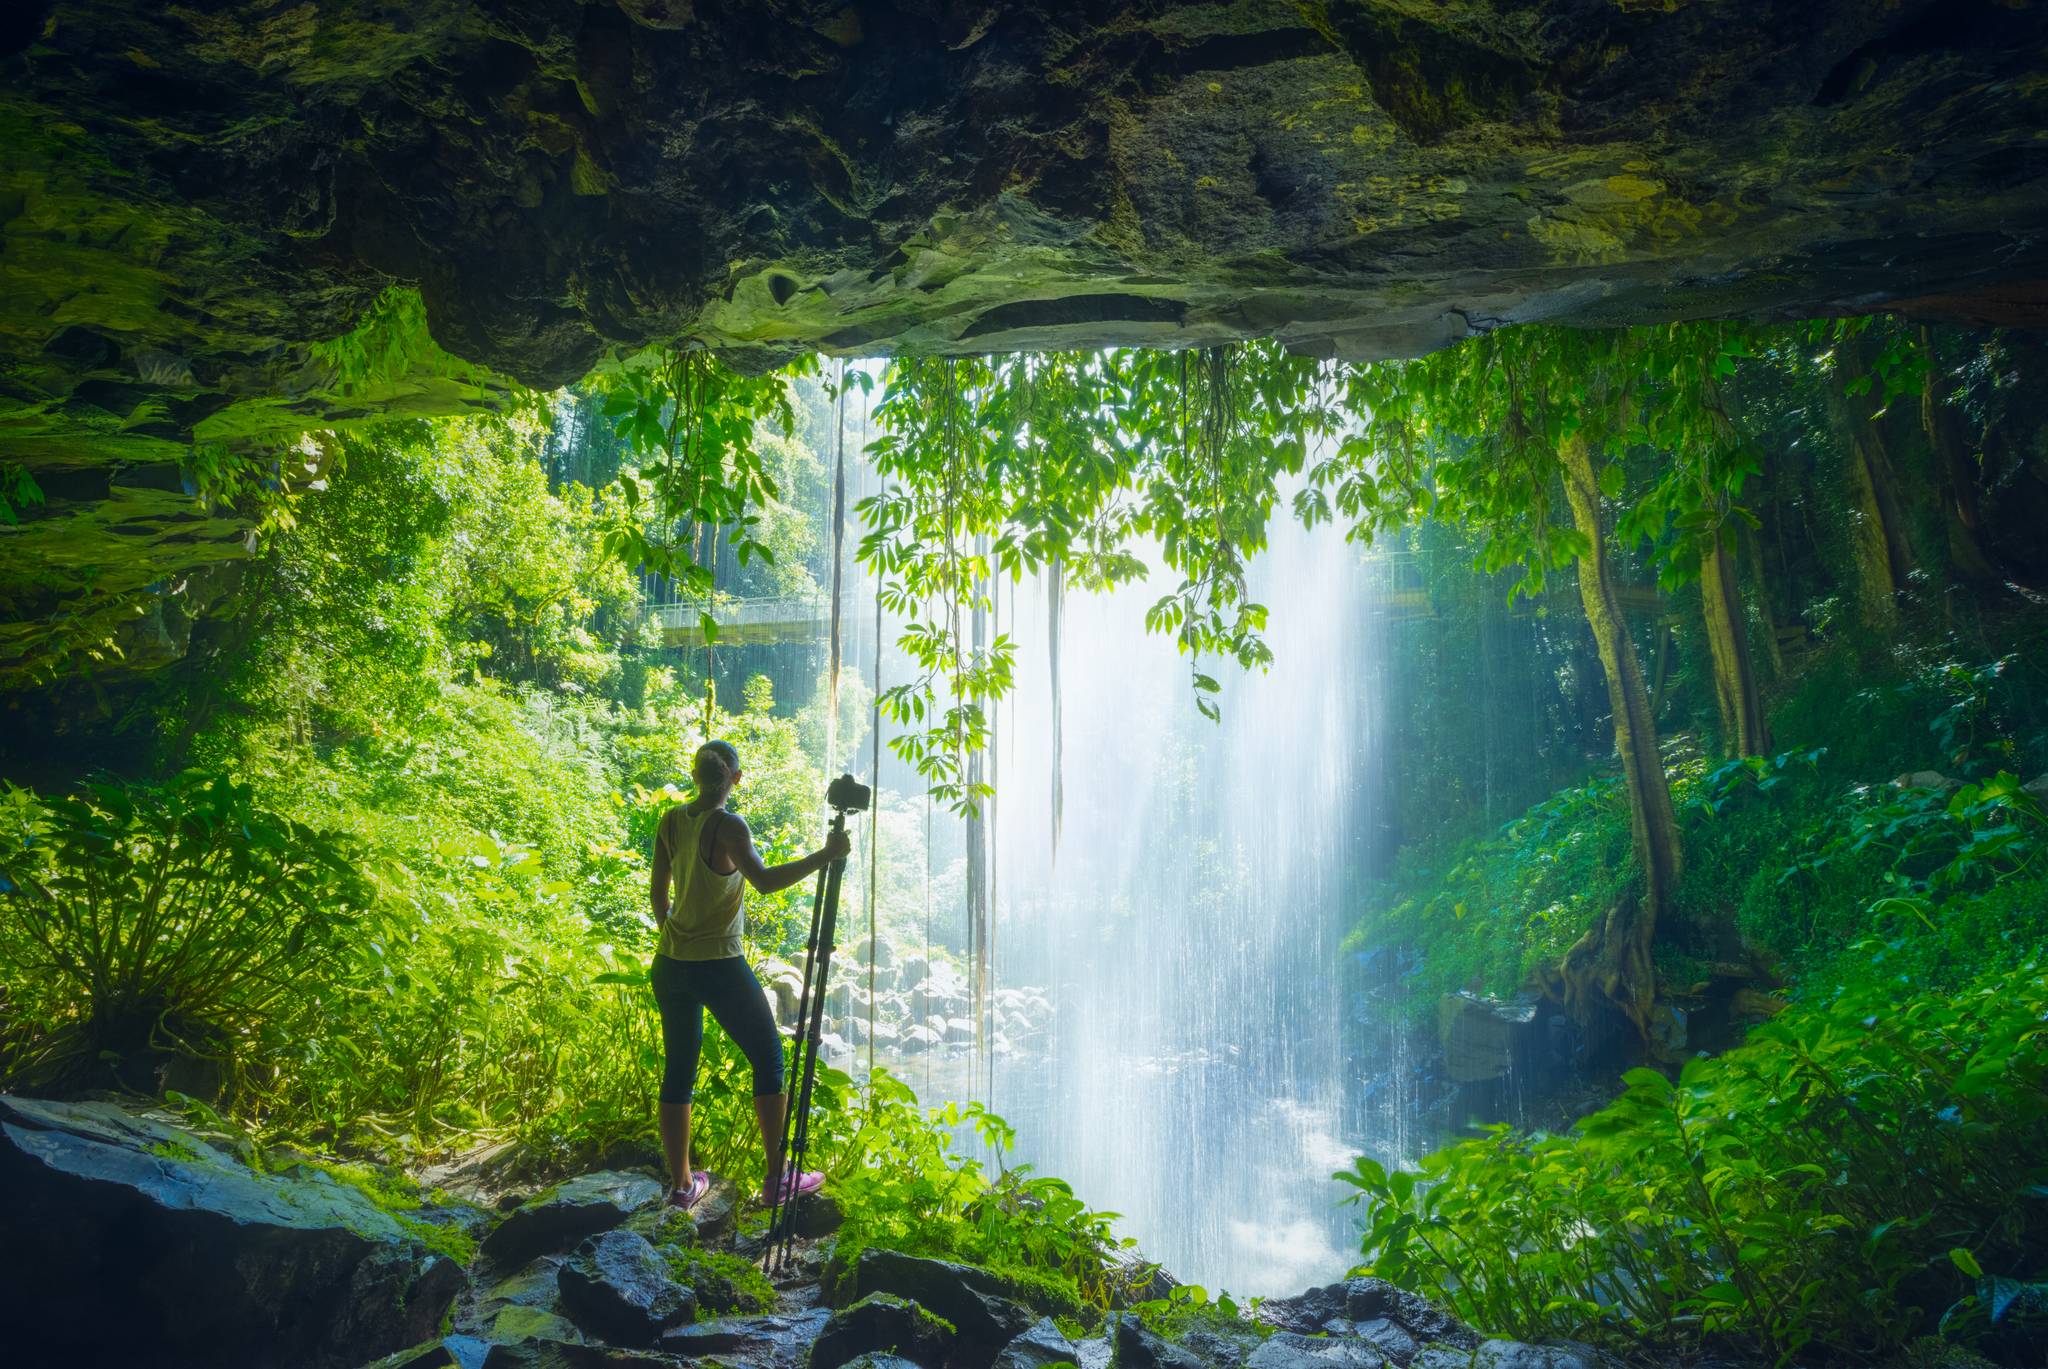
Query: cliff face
(191, 194)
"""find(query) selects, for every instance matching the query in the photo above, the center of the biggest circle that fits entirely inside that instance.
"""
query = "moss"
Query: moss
(931, 1321)
(1047, 1293)
(724, 1283)
(175, 1150)
(441, 1238)
(396, 1195)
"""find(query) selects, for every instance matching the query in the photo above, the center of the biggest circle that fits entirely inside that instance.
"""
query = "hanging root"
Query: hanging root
(1609, 965)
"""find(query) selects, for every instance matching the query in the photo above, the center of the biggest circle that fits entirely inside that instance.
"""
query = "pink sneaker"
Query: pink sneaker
(687, 1198)
(793, 1186)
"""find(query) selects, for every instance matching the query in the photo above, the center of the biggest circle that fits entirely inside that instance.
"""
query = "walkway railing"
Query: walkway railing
(781, 618)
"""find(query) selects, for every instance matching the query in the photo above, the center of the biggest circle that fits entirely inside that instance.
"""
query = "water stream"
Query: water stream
(1188, 930)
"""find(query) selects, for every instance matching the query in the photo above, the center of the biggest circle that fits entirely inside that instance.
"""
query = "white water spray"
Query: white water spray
(1188, 934)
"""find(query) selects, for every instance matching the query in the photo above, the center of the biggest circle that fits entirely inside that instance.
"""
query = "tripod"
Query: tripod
(810, 1023)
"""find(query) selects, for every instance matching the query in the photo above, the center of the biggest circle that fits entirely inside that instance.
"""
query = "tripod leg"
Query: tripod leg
(776, 1163)
(792, 1162)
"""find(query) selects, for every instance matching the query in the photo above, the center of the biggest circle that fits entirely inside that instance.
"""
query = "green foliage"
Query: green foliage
(695, 425)
(18, 491)
(183, 918)
(1486, 912)
(389, 344)
(724, 1283)
(1842, 876)
(1119, 451)
(902, 1185)
(1804, 1193)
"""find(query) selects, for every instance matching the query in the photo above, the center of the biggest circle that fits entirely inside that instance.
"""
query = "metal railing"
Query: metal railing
(791, 613)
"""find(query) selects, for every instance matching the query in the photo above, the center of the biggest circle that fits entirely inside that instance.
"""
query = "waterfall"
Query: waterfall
(1188, 935)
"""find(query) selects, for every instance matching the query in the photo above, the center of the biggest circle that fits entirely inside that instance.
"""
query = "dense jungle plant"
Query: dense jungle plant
(1858, 1173)
(140, 921)
(903, 1185)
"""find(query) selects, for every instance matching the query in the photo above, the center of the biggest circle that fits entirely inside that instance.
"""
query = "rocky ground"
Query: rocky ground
(919, 1004)
(127, 1239)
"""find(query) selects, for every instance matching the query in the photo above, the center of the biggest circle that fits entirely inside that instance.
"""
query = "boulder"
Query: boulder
(1040, 1345)
(916, 1041)
(1094, 1353)
(565, 1214)
(985, 1317)
(815, 1215)
(1367, 1300)
(775, 1339)
(914, 971)
(618, 1288)
(124, 1238)
(1924, 779)
(560, 1354)
(882, 1322)
(885, 954)
(1512, 1354)
(1307, 1312)
(1292, 1350)
(1482, 1037)
(785, 986)
(959, 1031)
(1136, 1346)
(526, 1303)
(1395, 1322)
(442, 1352)
(1389, 1337)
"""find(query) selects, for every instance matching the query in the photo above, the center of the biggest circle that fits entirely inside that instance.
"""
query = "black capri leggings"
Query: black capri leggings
(683, 989)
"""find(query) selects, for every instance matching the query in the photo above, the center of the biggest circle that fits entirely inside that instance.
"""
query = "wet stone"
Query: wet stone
(567, 1213)
(617, 1288)
(1040, 1346)
(881, 1322)
(1386, 1335)
(1291, 1350)
(554, 1354)
(984, 1318)
(1136, 1346)
(1510, 1354)
(775, 1341)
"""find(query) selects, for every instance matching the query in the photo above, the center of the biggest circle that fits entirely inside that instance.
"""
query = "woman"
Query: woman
(703, 852)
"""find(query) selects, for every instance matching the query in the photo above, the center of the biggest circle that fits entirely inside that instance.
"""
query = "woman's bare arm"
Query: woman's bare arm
(736, 844)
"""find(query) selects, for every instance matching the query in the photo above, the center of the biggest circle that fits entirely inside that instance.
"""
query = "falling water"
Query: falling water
(1188, 935)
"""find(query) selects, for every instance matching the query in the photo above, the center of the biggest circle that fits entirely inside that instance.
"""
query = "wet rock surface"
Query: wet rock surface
(884, 1323)
(985, 1317)
(617, 1288)
(126, 1239)
(129, 1240)
(197, 195)
(1042, 1344)
(567, 1213)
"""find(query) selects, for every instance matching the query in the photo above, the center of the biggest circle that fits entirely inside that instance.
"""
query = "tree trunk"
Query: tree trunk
(1883, 554)
(1614, 957)
(1956, 474)
(1760, 582)
(1735, 688)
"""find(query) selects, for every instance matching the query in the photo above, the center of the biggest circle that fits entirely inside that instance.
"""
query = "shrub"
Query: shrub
(1859, 1173)
(138, 921)
(903, 1186)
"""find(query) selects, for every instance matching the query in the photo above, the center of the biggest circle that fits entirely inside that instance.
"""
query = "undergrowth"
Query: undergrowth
(1803, 854)
(1861, 1172)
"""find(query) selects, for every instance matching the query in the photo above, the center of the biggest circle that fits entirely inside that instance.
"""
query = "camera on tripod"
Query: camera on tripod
(848, 795)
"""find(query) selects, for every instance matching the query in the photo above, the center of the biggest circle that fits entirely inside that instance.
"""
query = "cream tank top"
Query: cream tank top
(705, 921)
